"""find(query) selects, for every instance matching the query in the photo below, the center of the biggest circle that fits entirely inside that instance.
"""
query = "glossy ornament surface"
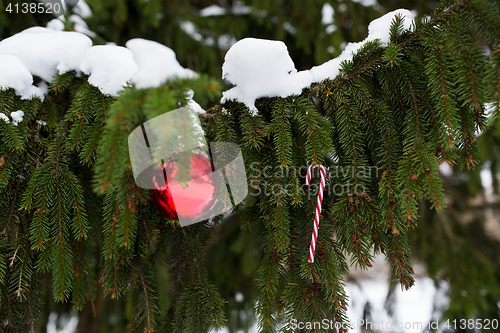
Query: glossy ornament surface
(193, 197)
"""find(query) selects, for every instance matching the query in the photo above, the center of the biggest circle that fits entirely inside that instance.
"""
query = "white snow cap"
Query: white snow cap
(45, 52)
(261, 68)
(157, 63)
(110, 67)
(13, 74)
(377, 29)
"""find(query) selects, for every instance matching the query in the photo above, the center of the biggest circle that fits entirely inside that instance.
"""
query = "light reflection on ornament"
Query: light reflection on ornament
(196, 198)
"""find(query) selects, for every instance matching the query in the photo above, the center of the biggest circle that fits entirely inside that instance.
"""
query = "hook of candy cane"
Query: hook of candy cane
(312, 247)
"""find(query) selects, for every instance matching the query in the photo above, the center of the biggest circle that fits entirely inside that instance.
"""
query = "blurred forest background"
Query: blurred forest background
(459, 247)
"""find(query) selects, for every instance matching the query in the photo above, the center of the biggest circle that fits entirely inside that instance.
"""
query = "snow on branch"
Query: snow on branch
(157, 63)
(44, 52)
(263, 68)
(16, 75)
(377, 29)
(257, 68)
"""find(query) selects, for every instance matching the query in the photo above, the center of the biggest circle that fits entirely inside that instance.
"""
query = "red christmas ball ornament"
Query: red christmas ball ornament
(191, 201)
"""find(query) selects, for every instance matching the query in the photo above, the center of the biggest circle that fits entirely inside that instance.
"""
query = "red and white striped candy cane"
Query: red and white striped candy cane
(312, 248)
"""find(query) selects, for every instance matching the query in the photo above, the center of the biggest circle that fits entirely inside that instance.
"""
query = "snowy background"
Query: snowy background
(367, 291)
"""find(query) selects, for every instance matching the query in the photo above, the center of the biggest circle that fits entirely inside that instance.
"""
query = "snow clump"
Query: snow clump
(377, 29)
(46, 52)
(13, 74)
(261, 68)
(110, 67)
(157, 63)
(257, 68)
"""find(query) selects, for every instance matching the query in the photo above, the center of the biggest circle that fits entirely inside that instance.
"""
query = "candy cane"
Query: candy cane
(312, 248)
